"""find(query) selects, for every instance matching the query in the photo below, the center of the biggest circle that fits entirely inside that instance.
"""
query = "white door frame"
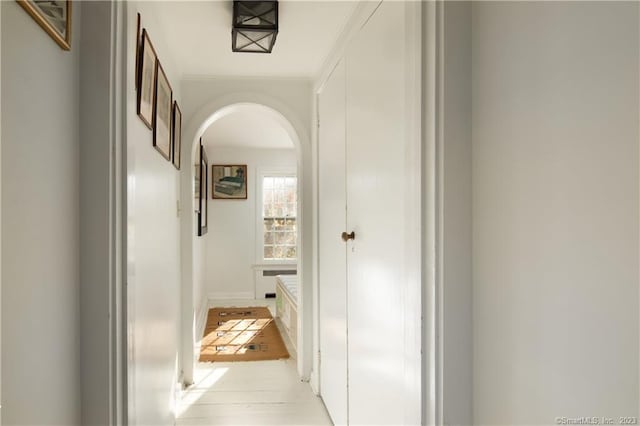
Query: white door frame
(103, 212)
(432, 405)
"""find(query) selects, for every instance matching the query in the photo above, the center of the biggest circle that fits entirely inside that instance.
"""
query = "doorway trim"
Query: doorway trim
(194, 305)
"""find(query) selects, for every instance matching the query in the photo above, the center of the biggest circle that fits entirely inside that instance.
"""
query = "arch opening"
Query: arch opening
(195, 300)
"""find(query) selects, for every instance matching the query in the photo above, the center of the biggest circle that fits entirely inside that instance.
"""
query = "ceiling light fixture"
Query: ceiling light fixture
(255, 26)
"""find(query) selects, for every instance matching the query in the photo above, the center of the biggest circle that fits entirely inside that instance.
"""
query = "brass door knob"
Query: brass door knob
(346, 237)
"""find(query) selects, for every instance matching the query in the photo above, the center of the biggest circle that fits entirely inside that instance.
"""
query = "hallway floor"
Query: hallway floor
(250, 393)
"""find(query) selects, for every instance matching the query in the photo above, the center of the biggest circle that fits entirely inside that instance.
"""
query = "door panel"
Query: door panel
(332, 250)
(376, 182)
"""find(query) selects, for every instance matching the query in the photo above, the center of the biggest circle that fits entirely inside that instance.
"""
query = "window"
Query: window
(279, 210)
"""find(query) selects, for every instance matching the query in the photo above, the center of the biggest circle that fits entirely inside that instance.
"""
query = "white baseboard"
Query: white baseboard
(247, 295)
(314, 382)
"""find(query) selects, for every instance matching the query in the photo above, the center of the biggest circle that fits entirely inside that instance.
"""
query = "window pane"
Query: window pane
(291, 253)
(290, 238)
(279, 209)
(268, 198)
(268, 238)
(281, 238)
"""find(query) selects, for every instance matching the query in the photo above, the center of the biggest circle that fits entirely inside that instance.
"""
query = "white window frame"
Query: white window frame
(261, 173)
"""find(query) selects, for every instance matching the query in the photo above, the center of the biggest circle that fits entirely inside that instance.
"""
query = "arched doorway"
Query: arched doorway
(194, 300)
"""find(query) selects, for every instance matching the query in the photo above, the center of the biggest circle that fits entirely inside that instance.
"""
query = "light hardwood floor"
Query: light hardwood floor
(250, 393)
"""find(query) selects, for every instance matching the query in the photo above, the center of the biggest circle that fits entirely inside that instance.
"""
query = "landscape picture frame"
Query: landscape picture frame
(229, 181)
(147, 80)
(162, 113)
(53, 16)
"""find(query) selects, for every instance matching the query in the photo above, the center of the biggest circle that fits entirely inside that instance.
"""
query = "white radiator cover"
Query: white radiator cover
(267, 284)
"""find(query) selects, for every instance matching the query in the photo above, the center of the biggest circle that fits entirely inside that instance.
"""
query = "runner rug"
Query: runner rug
(241, 334)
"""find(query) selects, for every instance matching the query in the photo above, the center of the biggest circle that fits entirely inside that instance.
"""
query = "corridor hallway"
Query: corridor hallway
(250, 392)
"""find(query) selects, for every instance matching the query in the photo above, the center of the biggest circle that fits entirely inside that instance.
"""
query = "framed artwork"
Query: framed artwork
(162, 112)
(138, 47)
(196, 187)
(229, 182)
(177, 135)
(147, 80)
(54, 16)
(197, 179)
(204, 184)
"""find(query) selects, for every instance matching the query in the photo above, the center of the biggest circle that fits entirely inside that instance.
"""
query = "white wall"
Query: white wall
(0, 225)
(201, 98)
(555, 210)
(293, 92)
(40, 241)
(198, 94)
(153, 247)
(231, 239)
(457, 336)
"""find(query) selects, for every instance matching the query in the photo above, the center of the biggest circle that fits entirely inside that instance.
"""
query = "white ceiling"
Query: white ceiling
(199, 36)
(248, 126)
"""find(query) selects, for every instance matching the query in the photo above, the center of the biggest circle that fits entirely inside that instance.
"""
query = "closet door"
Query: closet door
(376, 194)
(332, 250)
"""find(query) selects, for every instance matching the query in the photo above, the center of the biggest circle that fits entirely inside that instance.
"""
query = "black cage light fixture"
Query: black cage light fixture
(255, 26)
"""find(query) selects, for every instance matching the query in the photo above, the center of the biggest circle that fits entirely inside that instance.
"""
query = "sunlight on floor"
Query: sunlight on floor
(250, 393)
(207, 381)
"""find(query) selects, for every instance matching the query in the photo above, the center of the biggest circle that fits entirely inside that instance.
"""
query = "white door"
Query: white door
(369, 289)
(377, 176)
(332, 250)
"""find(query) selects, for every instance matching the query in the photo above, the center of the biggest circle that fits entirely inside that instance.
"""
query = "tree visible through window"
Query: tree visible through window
(279, 208)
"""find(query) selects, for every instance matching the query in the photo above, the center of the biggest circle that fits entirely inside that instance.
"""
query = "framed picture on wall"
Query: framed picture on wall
(196, 181)
(204, 185)
(229, 182)
(138, 48)
(177, 135)
(147, 80)
(162, 113)
(54, 16)
(196, 187)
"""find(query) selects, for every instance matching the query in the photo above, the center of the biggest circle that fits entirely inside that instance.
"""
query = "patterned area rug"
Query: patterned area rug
(241, 334)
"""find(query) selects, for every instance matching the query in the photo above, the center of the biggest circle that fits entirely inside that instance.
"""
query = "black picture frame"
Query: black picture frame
(138, 51)
(162, 113)
(176, 143)
(146, 81)
(203, 214)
